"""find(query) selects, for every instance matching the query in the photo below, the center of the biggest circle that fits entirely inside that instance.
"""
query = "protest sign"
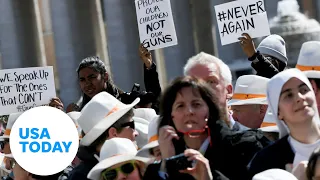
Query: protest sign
(241, 16)
(24, 88)
(155, 23)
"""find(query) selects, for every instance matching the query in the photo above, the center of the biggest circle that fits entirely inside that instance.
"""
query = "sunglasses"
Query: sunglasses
(130, 124)
(3, 143)
(111, 174)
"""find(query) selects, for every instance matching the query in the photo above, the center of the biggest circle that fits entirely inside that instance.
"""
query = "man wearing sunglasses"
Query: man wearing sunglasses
(103, 118)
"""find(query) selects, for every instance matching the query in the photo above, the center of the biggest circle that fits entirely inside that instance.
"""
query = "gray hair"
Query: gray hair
(209, 60)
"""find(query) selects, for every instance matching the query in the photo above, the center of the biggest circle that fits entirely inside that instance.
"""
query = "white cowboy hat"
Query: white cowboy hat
(309, 59)
(141, 125)
(74, 115)
(145, 113)
(11, 120)
(100, 113)
(152, 138)
(274, 174)
(269, 123)
(250, 89)
(115, 151)
(274, 90)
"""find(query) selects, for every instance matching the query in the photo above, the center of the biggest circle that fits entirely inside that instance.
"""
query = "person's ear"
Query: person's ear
(229, 91)
(112, 132)
(106, 77)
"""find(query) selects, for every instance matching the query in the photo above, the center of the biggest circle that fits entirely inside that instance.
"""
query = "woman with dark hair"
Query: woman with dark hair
(313, 169)
(192, 126)
(93, 79)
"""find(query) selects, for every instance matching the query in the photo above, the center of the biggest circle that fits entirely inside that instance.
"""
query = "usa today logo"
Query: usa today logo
(44, 140)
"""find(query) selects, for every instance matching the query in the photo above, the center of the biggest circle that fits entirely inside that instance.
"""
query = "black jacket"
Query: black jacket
(263, 66)
(152, 84)
(228, 154)
(81, 171)
(277, 155)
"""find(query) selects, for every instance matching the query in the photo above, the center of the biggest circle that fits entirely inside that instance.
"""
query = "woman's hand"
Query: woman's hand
(201, 170)
(56, 102)
(145, 56)
(247, 45)
(300, 170)
(166, 135)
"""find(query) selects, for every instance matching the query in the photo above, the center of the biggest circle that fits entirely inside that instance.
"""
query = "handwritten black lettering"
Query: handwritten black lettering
(35, 75)
(8, 101)
(152, 17)
(259, 5)
(145, 3)
(236, 26)
(157, 41)
(29, 97)
(37, 87)
(252, 9)
(5, 89)
(237, 12)
(21, 87)
(6, 78)
(152, 10)
(155, 25)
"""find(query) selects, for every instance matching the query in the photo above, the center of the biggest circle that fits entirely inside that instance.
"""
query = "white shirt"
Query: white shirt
(302, 151)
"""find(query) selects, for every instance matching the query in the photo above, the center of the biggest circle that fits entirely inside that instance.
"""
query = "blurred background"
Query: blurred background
(60, 33)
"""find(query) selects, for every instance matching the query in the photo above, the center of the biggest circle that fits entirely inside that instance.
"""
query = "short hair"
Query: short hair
(207, 59)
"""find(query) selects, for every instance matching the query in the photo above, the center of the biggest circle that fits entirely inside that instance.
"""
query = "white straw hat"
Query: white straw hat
(141, 125)
(309, 59)
(145, 113)
(152, 137)
(74, 115)
(273, 93)
(274, 174)
(249, 89)
(269, 123)
(101, 112)
(115, 151)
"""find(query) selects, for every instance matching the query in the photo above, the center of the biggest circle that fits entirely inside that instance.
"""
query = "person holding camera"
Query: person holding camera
(184, 138)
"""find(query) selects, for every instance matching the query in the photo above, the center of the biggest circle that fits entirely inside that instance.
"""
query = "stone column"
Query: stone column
(202, 25)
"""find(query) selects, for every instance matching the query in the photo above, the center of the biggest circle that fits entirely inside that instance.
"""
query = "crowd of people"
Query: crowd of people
(198, 127)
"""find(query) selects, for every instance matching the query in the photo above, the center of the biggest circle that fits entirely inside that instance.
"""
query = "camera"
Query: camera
(178, 162)
(145, 97)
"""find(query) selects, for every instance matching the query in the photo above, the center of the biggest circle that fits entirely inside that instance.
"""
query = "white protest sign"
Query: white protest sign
(242, 16)
(155, 22)
(24, 88)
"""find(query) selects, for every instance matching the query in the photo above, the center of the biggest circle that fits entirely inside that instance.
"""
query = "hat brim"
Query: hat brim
(145, 149)
(4, 137)
(270, 129)
(106, 163)
(312, 74)
(238, 102)
(104, 124)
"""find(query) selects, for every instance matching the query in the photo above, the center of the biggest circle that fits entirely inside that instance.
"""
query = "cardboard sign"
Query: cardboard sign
(24, 88)
(241, 16)
(155, 23)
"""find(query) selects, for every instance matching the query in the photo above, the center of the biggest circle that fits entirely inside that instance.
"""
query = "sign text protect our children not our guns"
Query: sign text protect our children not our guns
(155, 23)
(241, 16)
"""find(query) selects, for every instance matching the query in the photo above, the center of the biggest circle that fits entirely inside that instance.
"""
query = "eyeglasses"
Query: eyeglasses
(3, 143)
(130, 124)
(111, 174)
